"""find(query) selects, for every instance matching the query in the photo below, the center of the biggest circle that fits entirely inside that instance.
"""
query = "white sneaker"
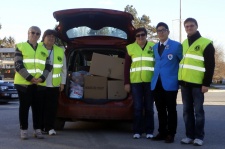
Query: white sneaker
(149, 136)
(23, 134)
(198, 142)
(38, 134)
(136, 136)
(52, 132)
(186, 141)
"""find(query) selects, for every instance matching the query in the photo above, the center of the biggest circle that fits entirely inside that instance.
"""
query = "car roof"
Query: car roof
(94, 18)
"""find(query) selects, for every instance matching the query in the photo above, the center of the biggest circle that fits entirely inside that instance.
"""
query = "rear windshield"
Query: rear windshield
(105, 31)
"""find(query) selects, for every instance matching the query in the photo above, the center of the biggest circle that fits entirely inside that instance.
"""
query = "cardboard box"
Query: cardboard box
(116, 89)
(107, 66)
(95, 87)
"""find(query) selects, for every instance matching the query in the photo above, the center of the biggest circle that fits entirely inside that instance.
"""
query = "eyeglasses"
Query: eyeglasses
(139, 35)
(161, 31)
(37, 34)
(189, 26)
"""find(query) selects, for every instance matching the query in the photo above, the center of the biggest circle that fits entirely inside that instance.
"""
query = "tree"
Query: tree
(143, 21)
(7, 42)
(219, 72)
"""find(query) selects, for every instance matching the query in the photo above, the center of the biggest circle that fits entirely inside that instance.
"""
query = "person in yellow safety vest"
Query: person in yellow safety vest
(32, 68)
(195, 76)
(138, 71)
(55, 81)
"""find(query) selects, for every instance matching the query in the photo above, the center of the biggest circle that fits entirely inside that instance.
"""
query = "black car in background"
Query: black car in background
(8, 91)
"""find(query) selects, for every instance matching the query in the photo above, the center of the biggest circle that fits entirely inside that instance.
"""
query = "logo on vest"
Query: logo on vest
(170, 56)
(43, 54)
(150, 50)
(197, 48)
(59, 58)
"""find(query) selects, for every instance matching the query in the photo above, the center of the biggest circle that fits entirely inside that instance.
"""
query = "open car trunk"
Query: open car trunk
(95, 75)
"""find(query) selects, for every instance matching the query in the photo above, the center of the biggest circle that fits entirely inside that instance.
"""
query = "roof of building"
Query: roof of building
(7, 50)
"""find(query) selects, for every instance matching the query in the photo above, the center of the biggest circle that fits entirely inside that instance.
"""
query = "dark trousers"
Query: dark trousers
(166, 106)
(193, 112)
(31, 97)
(50, 105)
(143, 108)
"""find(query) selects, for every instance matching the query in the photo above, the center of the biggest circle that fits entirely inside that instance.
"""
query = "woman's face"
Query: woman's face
(49, 40)
(141, 37)
(34, 35)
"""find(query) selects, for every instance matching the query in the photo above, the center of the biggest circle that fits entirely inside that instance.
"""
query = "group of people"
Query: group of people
(154, 73)
(40, 77)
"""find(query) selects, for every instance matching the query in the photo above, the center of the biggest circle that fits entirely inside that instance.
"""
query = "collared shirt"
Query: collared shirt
(164, 42)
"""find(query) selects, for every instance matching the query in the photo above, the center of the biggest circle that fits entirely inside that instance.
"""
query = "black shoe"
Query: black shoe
(159, 137)
(169, 139)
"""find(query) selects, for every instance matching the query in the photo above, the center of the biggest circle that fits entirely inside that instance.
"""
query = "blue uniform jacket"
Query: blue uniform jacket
(167, 65)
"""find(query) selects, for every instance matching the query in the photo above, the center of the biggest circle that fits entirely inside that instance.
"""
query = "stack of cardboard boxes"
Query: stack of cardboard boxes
(106, 81)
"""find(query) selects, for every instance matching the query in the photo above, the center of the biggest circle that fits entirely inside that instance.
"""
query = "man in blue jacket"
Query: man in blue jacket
(168, 54)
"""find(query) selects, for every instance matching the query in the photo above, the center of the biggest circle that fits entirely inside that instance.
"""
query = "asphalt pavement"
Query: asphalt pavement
(96, 135)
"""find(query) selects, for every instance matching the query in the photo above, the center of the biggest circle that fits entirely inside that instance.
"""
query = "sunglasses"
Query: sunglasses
(139, 35)
(33, 33)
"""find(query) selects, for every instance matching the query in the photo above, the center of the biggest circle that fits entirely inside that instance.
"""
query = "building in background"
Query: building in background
(7, 63)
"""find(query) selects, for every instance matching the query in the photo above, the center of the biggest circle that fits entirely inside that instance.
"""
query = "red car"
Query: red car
(86, 31)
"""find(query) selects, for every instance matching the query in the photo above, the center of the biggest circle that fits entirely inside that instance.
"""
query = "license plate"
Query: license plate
(14, 95)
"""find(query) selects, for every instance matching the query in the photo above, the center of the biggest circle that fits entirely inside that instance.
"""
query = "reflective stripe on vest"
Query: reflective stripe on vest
(192, 66)
(141, 68)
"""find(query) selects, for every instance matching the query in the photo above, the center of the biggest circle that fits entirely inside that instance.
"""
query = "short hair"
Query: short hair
(141, 29)
(49, 32)
(162, 24)
(34, 28)
(191, 20)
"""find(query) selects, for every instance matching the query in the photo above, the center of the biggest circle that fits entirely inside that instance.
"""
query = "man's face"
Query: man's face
(190, 28)
(162, 33)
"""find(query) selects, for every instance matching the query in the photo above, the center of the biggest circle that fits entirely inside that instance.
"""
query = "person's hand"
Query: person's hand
(205, 89)
(61, 88)
(33, 80)
(39, 80)
(127, 88)
(36, 80)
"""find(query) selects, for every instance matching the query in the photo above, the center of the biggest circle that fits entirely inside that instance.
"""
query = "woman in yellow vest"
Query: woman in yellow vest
(139, 67)
(31, 71)
(54, 82)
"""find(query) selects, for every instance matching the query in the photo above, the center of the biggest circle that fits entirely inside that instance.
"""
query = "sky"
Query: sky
(16, 16)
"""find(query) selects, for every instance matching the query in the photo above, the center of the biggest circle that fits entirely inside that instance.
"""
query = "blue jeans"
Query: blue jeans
(143, 108)
(193, 112)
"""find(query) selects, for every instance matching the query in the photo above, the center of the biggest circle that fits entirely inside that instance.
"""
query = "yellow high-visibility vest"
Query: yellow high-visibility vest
(33, 60)
(142, 66)
(192, 67)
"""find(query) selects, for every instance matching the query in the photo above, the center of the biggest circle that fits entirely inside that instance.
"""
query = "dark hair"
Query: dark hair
(141, 29)
(162, 24)
(191, 20)
(49, 32)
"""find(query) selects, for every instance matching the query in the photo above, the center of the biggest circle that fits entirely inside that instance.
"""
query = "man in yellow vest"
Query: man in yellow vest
(31, 71)
(139, 67)
(55, 80)
(195, 76)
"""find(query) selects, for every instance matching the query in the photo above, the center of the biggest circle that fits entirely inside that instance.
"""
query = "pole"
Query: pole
(180, 23)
